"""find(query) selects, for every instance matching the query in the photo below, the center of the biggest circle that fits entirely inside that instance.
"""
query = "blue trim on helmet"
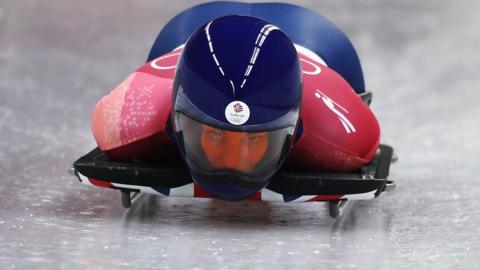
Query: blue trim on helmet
(169, 130)
(225, 191)
(303, 26)
(298, 131)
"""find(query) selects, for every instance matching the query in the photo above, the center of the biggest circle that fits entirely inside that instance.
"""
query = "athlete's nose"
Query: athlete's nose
(232, 158)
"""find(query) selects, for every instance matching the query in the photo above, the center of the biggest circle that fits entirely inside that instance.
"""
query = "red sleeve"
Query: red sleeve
(130, 122)
(340, 133)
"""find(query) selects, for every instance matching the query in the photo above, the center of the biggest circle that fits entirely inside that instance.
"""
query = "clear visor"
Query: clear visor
(209, 149)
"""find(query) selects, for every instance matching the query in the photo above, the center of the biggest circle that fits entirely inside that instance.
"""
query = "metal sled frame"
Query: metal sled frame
(133, 178)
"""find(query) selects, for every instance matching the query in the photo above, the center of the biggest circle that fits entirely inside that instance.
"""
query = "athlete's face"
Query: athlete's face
(239, 151)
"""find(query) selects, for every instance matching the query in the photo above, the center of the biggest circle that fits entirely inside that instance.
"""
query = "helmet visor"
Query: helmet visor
(210, 150)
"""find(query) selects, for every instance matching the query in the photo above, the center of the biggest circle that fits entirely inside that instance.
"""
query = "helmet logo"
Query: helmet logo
(237, 113)
(237, 107)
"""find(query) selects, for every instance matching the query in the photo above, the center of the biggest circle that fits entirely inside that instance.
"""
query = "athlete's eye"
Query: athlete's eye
(215, 135)
(253, 139)
(257, 138)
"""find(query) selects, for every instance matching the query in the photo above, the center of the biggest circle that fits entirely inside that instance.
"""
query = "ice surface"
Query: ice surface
(57, 59)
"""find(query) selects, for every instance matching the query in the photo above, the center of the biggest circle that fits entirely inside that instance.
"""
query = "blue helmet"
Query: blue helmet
(236, 96)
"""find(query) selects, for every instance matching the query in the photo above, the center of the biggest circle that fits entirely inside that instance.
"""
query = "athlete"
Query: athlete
(238, 101)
